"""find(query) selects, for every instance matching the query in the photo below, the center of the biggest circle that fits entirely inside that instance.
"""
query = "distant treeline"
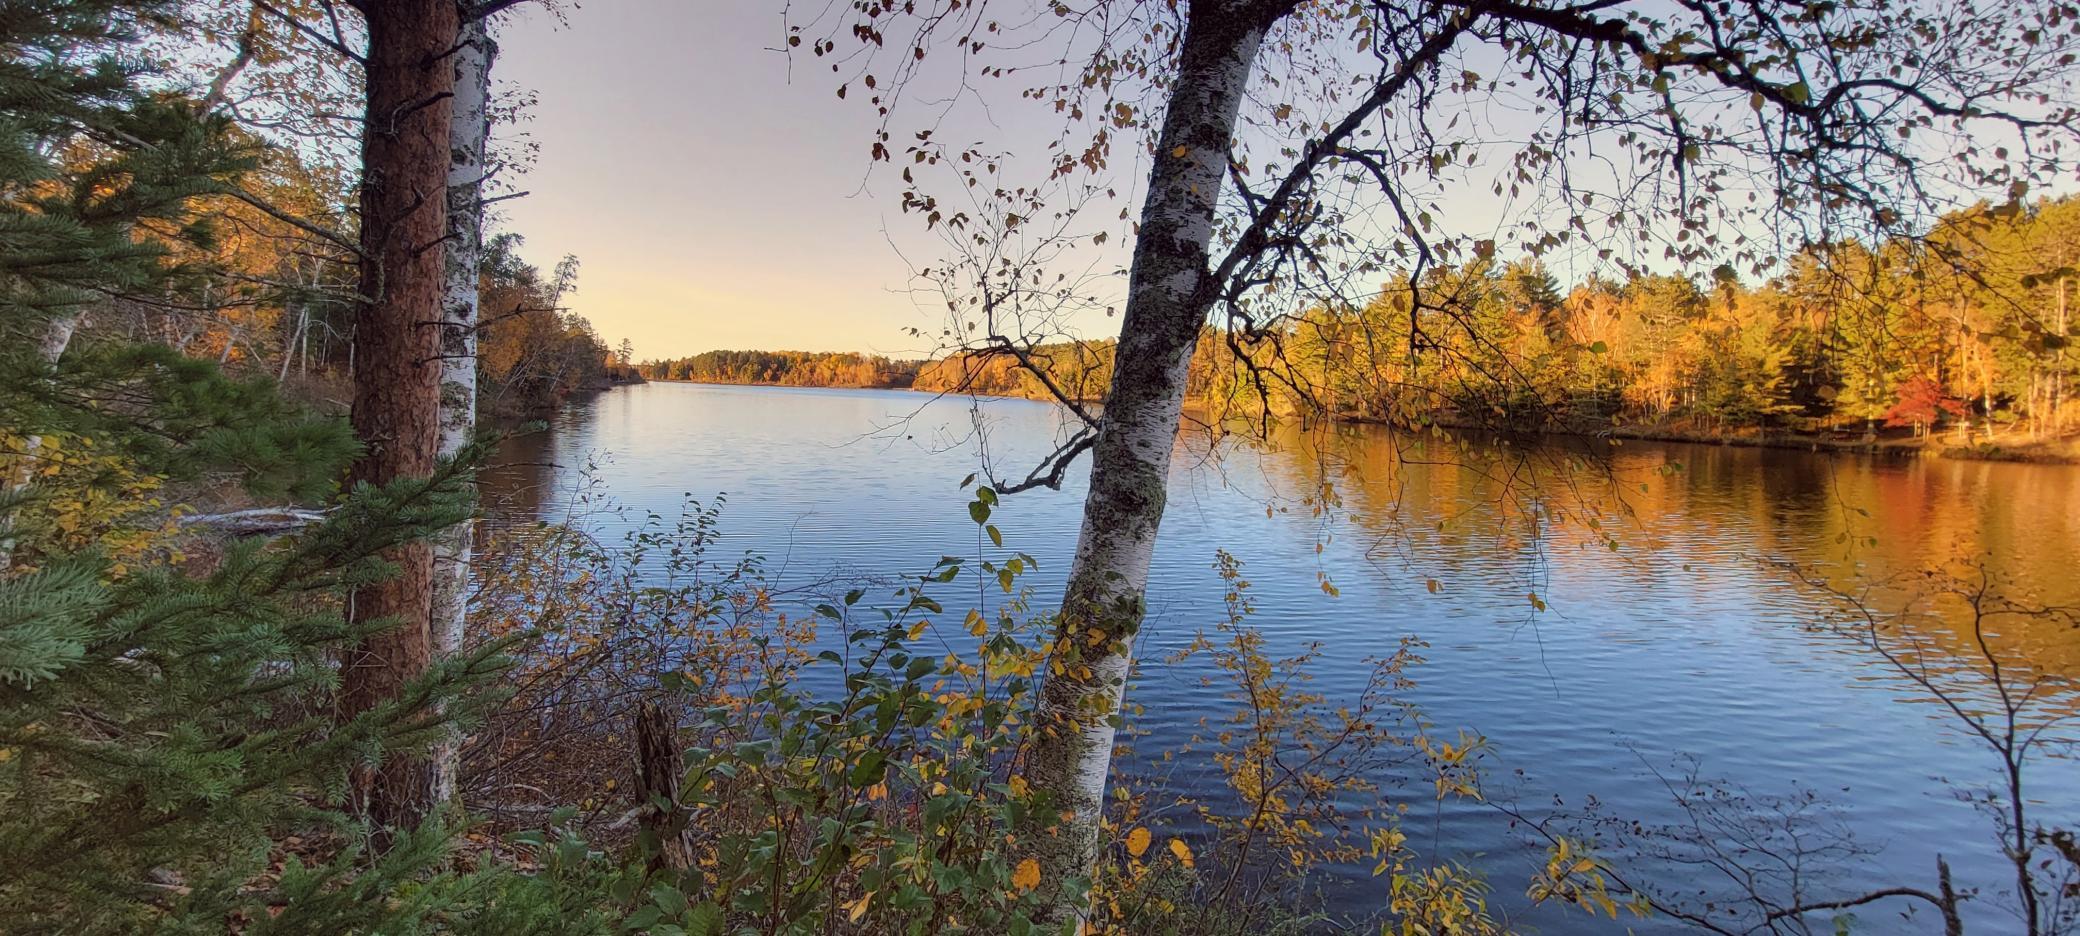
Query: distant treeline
(1083, 369)
(786, 369)
(1969, 325)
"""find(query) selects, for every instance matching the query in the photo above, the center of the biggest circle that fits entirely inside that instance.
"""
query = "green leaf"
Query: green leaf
(704, 920)
(869, 769)
(668, 899)
(979, 511)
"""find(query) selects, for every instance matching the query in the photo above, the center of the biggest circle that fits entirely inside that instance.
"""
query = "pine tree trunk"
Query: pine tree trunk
(397, 363)
(1075, 718)
(469, 134)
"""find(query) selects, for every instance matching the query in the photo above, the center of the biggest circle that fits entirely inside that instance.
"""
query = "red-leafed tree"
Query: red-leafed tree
(1922, 401)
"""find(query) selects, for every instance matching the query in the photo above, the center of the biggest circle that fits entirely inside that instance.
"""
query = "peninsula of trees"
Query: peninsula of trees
(259, 674)
(785, 368)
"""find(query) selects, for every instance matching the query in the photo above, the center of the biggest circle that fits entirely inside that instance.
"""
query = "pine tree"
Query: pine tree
(163, 722)
(397, 360)
(158, 728)
(87, 158)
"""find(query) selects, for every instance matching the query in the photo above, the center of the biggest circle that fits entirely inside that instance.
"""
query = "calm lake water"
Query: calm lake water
(1680, 647)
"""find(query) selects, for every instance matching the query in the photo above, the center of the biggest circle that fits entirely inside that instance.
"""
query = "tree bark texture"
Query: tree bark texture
(658, 765)
(405, 157)
(469, 134)
(1168, 295)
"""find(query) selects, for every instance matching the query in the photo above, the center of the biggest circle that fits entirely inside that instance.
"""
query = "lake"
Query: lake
(1679, 649)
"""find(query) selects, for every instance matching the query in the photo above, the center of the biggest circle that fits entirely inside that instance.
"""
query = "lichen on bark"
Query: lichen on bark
(1076, 716)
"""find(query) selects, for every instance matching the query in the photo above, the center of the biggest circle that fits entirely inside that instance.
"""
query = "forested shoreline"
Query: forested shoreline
(263, 672)
(785, 369)
(1952, 343)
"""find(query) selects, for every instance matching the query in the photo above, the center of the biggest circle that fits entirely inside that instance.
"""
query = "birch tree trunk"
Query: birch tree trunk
(397, 363)
(1168, 294)
(57, 336)
(469, 134)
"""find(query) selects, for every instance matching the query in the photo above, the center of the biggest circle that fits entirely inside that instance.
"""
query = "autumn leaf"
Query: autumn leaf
(1027, 876)
(1182, 851)
(1137, 841)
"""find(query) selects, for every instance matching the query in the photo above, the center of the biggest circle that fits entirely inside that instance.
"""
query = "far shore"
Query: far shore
(1941, 443)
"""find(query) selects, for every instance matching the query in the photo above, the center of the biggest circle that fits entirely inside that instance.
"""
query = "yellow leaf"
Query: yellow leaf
(858, 908)
(1182, 851)
(1027, 876)
(1137, 842)
(1181, 152)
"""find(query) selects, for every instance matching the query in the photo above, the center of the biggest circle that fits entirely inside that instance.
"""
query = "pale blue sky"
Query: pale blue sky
(712, 203)
(720, 196)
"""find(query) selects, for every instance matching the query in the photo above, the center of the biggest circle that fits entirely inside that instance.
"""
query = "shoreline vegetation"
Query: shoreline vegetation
(263, 672)
(1844, 442)
(1876, 348)
(1877, 442)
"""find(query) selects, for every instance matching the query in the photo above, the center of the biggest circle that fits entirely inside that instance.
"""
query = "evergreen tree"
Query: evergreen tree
(158, 729)
(89, 163)
(165, 722)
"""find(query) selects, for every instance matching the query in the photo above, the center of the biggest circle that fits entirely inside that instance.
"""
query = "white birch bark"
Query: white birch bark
(470, 130)
(1168, 295)
(57, 336)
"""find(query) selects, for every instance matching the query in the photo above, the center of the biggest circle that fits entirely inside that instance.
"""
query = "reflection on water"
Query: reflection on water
(1595, 611)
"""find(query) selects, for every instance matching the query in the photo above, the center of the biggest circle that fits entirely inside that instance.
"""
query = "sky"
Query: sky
(711, 202)
(719, 195)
